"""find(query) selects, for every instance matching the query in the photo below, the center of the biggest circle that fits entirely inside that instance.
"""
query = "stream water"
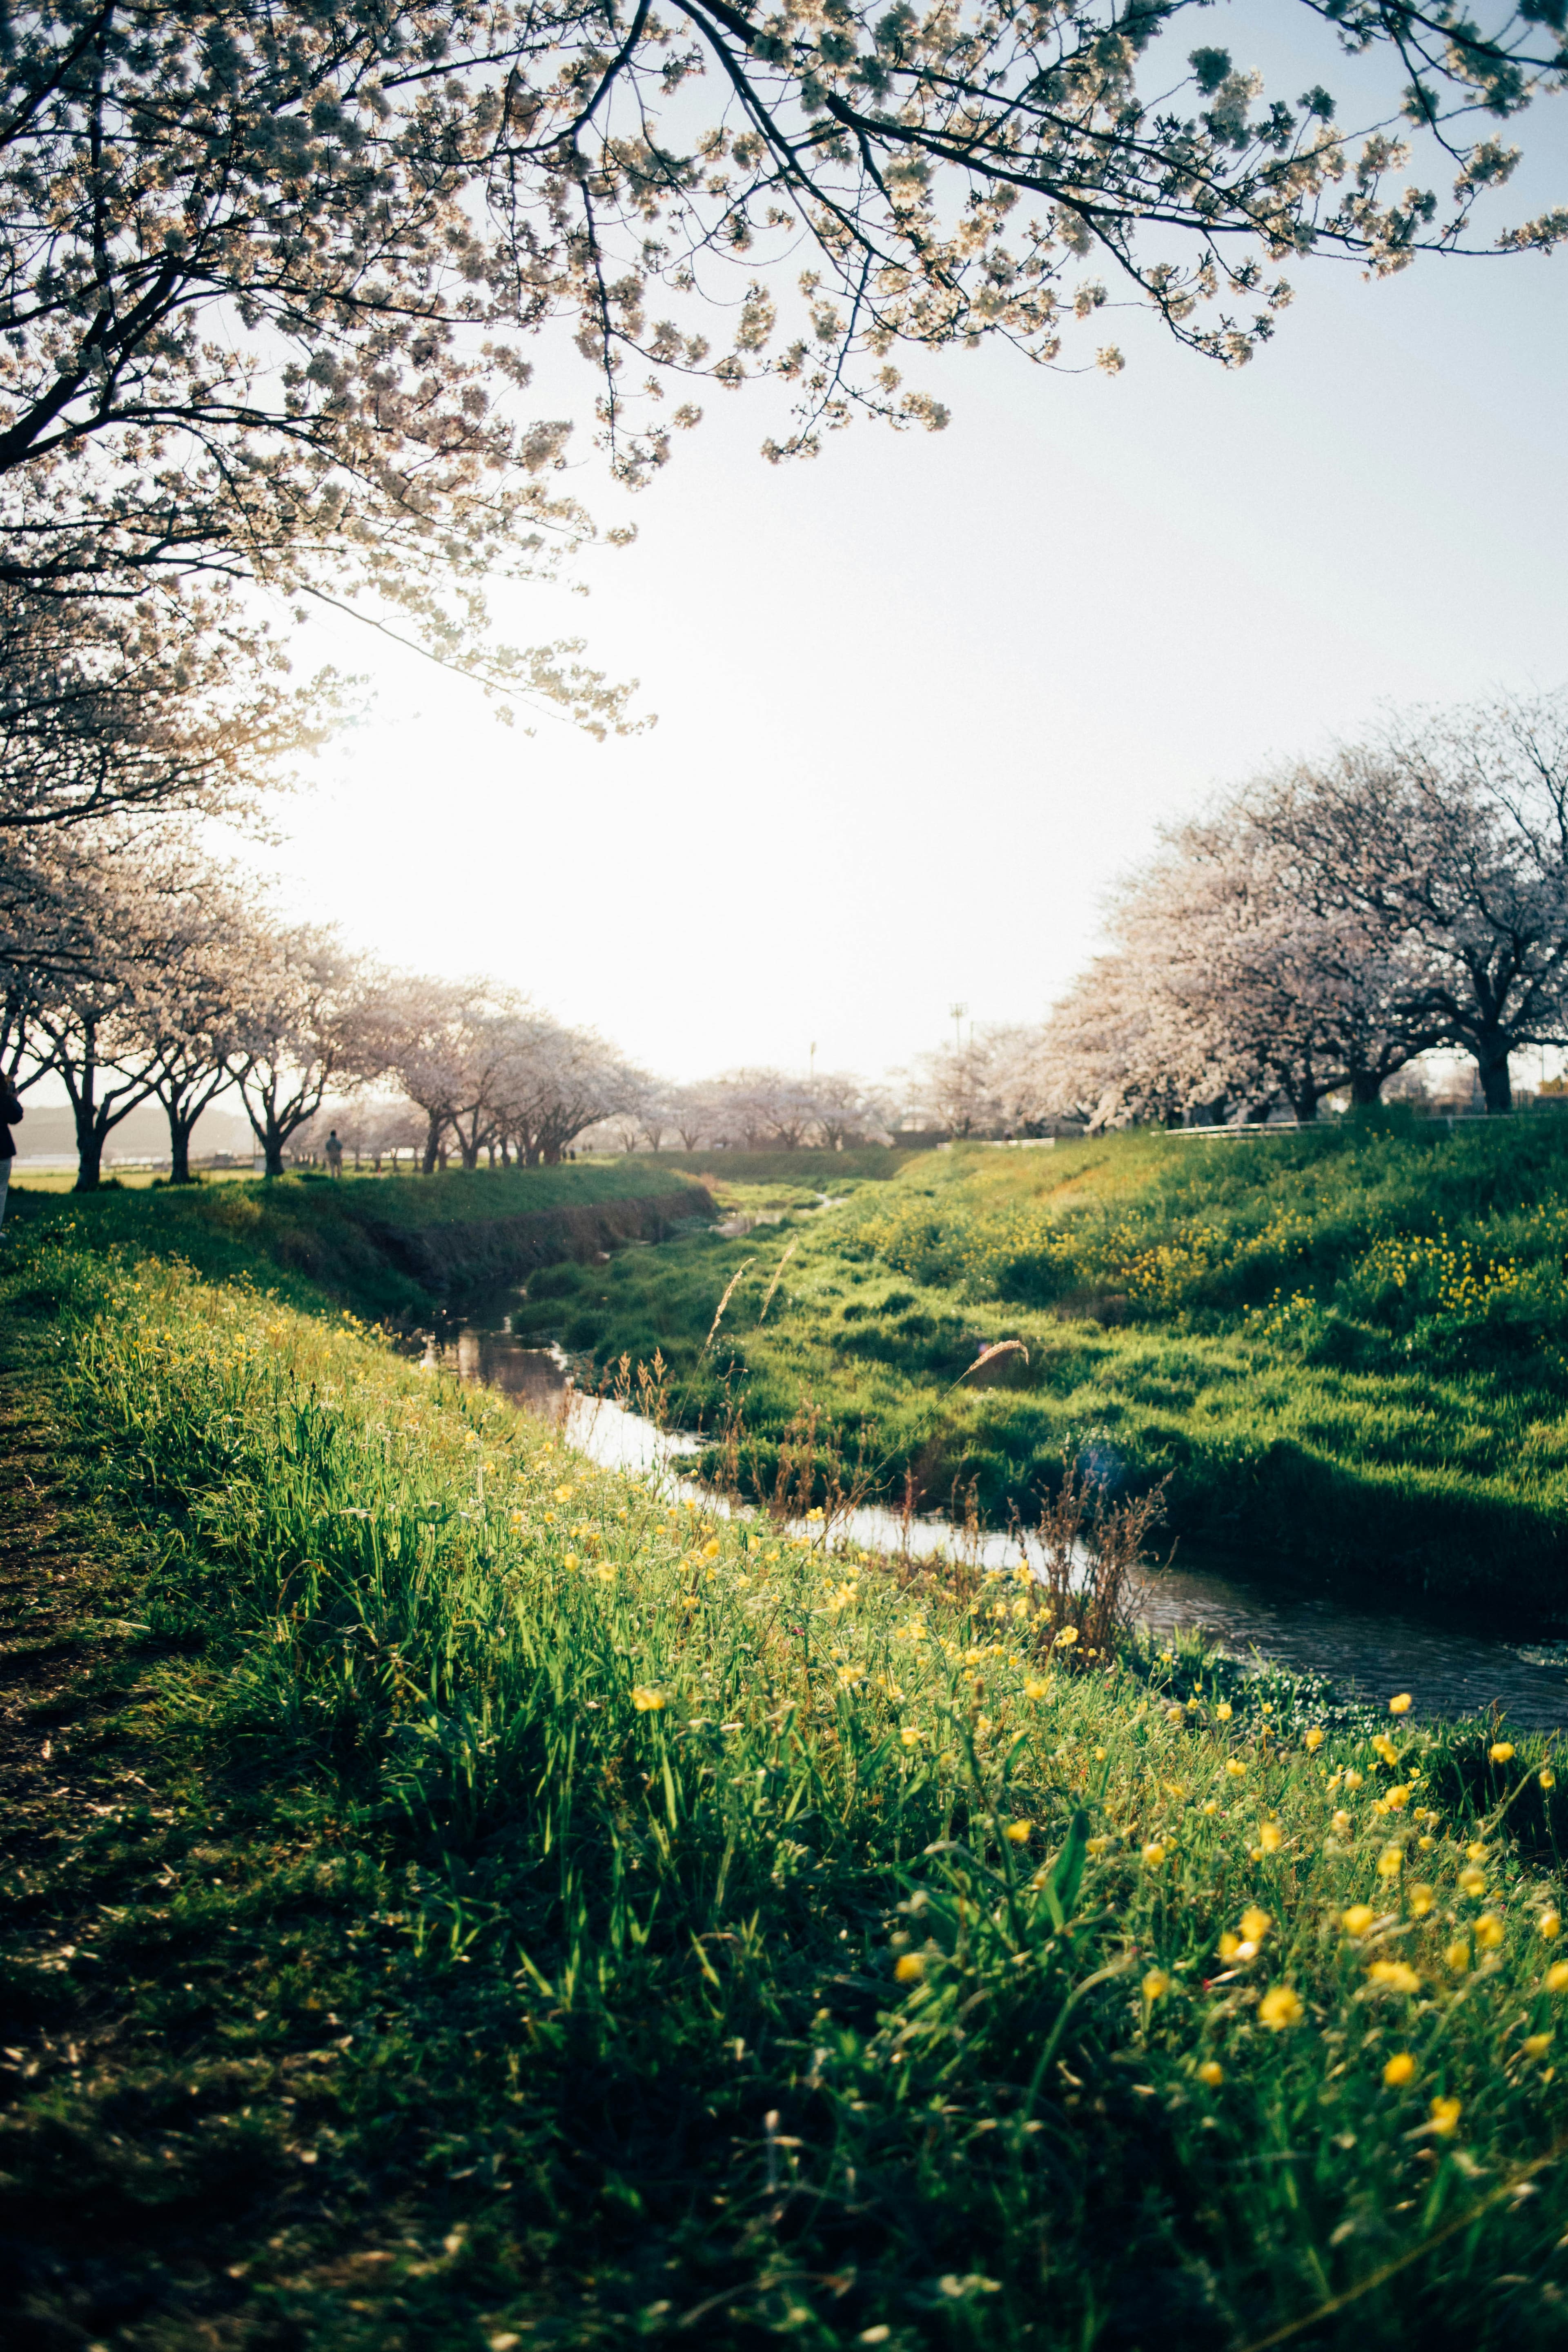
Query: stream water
(1311, 1626)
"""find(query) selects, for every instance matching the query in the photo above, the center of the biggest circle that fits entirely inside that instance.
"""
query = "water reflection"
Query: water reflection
(1312, 1628)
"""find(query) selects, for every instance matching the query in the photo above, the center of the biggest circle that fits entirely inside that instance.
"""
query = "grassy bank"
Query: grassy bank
(390, 1247)
(459, 1901)
(813, 1170)
(1349, 1345)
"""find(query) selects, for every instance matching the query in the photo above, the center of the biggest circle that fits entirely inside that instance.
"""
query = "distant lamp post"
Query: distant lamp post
(811, 1066)
(957, 1012)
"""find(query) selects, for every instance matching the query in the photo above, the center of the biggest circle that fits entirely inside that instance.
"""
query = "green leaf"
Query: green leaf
(1066, 1872)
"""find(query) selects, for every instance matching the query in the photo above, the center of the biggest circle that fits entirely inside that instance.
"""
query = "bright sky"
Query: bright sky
(921, 701)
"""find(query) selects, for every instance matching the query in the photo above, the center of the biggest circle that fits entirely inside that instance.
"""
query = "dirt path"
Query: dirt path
(55, 1656)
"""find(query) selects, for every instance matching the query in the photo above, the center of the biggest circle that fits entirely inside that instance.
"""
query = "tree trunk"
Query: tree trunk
(432, 1146)
(272, 1149)
(1366, 1088)
(1305, 1106)
(180, 1129)
(1491, 1060)
(89, 1149)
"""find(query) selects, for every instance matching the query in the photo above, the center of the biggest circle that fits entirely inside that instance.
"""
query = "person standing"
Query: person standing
(10, 1114)
(334, 1154)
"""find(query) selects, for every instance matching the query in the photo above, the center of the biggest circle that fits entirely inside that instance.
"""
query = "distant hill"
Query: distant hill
(47, 1132)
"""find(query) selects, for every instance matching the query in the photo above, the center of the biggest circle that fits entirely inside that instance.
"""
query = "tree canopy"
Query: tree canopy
(269, 273)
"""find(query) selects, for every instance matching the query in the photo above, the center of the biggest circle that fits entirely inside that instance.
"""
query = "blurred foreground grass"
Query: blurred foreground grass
(480, 1903)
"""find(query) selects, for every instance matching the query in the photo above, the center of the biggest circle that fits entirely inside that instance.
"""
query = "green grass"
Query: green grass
(492, 1904)
(388, 1245)
(1348, 1347)
(809, 1169)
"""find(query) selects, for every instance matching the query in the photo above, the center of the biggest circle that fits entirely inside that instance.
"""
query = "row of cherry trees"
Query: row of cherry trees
(140, 972)
(1317, 931)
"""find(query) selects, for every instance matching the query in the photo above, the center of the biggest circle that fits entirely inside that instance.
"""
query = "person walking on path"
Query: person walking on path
(10, 1113)
(334, 1154)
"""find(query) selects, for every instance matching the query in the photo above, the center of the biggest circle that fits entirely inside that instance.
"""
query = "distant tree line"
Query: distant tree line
(269, 283)
(1314, 934)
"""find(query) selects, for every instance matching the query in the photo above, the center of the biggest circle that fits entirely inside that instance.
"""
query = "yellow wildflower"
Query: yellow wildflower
(1255, 1924)
(1224, 1711)
(1549, 1925)
(1236, 1766)
(1445, 2116)
(1390, 1861)
(1489, 1931)
(1548, 1779)
(562, 1495)
(571, 1561)
(1231, 1948)
(1066, 1638)
(1352, 1779)
(711, 1548)
(1154, 1855)
(1477, 1852)
(1536, 2045)
(1357, 1919)
(1473, 1883)
(1397, 1798)
(1341, 1824)
(1398, 1975)
(1270, 1837)
(1035, 1688)
(1501, 1751)
(1420, 1900)
(1557, 1977)
(1457, 1957)
(909, 1967)
(1400, 1705)
(1313, 1740)
(1280, 2006)
(1400, 2070)
(1212, 2073)
(1156, 1984)
(1019, 1833)
(646, 1701)
(911, 1734)
(1385, 1747)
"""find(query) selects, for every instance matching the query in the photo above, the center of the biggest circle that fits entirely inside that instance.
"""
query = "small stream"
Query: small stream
(1312, 1627)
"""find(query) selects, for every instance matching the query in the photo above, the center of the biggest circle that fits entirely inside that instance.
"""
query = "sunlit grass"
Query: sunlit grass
(1348, 1347)
(872, 1968)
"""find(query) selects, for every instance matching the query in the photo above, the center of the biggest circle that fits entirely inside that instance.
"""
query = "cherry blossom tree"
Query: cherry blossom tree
(92, 1019)
(271, 274)
(1323, 927)
(1444, 840)
(303, 1019)
(185, 1034)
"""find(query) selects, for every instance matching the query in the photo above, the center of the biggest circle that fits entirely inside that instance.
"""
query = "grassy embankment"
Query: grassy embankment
(389, 1246)
(1350, 1345)
(456, 1900)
